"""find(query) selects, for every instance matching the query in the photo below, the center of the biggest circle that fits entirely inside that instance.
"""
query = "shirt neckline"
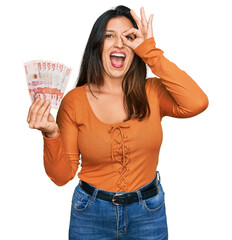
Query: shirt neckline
(93, 114)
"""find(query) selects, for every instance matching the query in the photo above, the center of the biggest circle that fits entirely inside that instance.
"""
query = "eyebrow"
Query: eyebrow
(114, 31)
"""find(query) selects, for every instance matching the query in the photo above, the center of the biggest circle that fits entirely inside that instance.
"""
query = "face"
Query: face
(116, 56)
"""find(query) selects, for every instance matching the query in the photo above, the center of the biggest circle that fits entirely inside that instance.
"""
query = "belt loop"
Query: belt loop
(158, 175)
(139, 196)
(93, 197)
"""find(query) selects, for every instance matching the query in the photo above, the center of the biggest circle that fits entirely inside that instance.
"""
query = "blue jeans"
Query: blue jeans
(97, 219)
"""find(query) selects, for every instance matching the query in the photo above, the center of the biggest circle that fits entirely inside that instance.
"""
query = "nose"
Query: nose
(118, 42)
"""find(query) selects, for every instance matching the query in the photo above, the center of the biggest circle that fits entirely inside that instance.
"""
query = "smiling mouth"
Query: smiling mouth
(117, 59)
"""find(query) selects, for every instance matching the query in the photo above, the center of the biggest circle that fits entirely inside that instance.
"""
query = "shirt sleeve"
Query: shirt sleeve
(61, 154)
(178, 94)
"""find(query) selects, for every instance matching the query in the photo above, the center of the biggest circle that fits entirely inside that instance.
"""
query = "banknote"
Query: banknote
(47, 79)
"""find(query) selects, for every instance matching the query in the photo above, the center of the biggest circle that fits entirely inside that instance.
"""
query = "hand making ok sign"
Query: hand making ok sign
(143, 32)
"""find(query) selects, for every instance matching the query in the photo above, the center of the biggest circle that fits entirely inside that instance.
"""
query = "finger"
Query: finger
(143, 17)
(136, 18)
(34, 113)
(149, 26)
(31, 108)
(129, 36)
(132, 31)
(45, 122)
(127, 42)
(42, 111)
(46, 114)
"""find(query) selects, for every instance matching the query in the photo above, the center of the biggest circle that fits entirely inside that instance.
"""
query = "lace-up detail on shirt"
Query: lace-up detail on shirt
(120, 152)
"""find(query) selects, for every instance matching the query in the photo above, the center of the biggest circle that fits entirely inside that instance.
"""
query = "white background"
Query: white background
(195, 158)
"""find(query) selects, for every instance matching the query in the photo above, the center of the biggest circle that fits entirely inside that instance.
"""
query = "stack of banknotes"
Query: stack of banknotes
(47, 79)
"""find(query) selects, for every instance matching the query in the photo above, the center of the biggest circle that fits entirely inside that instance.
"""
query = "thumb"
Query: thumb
(51, 118)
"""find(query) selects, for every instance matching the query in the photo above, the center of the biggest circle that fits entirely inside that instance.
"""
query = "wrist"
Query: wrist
(51, 134)
(47, 135)
(145, 46)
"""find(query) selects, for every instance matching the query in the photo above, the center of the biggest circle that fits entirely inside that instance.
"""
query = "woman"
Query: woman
(113, 119)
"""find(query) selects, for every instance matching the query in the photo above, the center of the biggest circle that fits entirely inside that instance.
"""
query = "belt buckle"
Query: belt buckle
(117, 194)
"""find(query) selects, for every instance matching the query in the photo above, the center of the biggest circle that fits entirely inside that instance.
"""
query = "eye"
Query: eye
(109, 36)
(130, 37)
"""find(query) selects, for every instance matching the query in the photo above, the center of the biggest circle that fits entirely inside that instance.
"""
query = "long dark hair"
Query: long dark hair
(91, 70)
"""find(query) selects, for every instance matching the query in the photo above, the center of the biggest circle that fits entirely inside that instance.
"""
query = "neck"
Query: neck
(112, 85)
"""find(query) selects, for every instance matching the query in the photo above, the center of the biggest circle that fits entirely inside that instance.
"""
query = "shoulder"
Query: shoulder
(154, 87)
(152, 83)
(75, 92)
(73, 100)
(74, 96)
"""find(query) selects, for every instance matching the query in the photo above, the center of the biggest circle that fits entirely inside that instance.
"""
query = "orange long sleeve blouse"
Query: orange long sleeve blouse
(120, 157)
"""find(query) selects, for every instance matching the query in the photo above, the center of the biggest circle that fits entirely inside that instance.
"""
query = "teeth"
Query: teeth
(118, 55)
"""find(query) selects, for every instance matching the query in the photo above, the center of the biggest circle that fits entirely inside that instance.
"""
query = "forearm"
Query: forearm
(56, 163)
(187, 95)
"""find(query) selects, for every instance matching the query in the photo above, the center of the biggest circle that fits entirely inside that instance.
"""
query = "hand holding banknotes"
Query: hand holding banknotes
(39, 117)
(46, 81)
